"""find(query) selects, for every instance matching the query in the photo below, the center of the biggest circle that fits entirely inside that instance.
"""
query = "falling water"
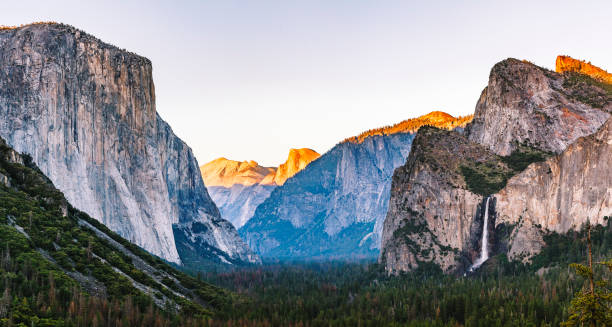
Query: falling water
(484, 253)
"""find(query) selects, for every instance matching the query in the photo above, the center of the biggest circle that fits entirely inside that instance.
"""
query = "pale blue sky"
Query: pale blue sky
(250, 79)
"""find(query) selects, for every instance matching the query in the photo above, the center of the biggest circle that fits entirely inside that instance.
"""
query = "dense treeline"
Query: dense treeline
(502, 293)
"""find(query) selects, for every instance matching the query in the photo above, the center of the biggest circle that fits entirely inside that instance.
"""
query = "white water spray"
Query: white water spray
(484, 252)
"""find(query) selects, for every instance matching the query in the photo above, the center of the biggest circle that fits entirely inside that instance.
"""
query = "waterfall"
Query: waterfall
(484, 252)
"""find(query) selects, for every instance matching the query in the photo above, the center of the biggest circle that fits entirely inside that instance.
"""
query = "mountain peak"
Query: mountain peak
(437, 115)
(297, 160)
(569, 64)
(225, 172)
(527, 104)
(438, 119)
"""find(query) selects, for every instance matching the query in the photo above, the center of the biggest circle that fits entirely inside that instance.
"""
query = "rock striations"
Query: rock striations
(335, 207)
(531, 147)
(239, 187)
(85, 111)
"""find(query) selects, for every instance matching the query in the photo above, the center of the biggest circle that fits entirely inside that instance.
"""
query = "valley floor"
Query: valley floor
(361, 294)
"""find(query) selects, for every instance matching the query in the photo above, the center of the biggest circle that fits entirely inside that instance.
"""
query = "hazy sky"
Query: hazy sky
(248, 80)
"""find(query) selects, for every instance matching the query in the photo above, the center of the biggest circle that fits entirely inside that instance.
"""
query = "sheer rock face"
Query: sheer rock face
(297, 160)
(526, 104)
(85, 111)
(563, 192)
(335, 207)
(432, 217)
(239, 187)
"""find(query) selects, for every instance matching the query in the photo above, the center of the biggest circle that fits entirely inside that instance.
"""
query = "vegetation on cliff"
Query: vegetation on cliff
(580, 87)
(489, 177)
(467, 164)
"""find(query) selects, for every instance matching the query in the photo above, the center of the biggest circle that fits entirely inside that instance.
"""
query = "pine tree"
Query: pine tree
(591, 306)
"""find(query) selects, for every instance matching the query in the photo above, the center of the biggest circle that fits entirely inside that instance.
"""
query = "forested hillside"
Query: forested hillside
(60, 267)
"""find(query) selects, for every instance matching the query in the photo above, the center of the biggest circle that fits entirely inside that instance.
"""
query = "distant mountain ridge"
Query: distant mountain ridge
(335, 207)
(238, 187)
(435, 118)
(226, 173)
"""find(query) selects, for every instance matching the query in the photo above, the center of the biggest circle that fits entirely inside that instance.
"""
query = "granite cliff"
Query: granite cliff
(528, 148)
(239, 187)
(524, 104)
(432, 213)
(85, 111)
(559, 194)
(50, 239)
(335, 207)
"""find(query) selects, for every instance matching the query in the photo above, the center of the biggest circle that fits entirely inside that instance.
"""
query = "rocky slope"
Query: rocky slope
(334, 208)
(526, 114)
(41, 229)
(85, 111)
(239, 187)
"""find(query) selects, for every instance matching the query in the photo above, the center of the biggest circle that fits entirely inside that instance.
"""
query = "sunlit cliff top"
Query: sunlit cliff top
(435, 118)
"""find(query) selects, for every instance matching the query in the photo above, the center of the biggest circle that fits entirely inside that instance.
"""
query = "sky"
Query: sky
(248, 80)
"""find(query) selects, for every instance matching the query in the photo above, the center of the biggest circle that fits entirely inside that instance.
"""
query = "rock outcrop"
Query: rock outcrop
(239, 187)
(335, 207)
(85, 111)
(561, 193)
(433, 215)
(524, 104)
(568, 64)
(525, 115)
